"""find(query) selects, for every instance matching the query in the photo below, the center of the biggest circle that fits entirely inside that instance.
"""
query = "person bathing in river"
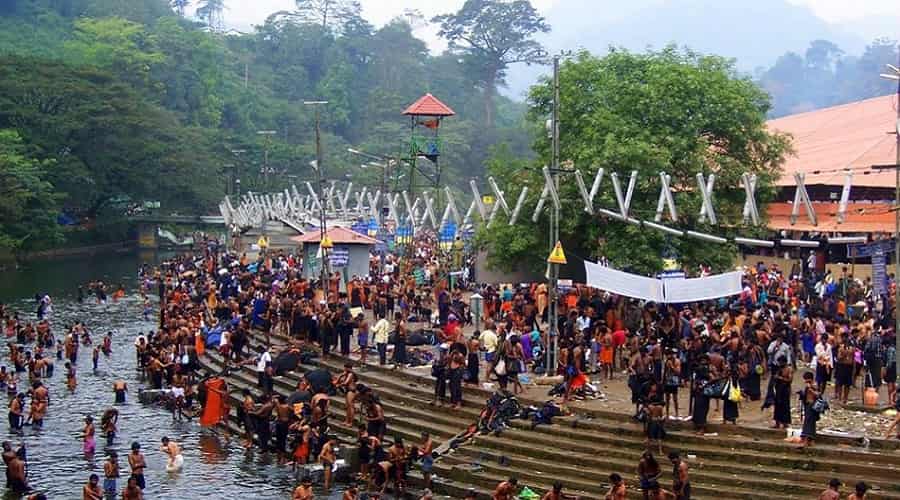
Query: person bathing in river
(110, 473)
(120, 388)
(108, 423)
(71, 381)
(175, 461)
(90, 445)
(137, 464)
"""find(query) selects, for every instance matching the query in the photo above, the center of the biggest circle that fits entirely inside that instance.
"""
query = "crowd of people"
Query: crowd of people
(728, 352)
(818, 329)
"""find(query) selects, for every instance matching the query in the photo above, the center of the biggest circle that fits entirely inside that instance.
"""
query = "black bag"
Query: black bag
(820, 405)
(716, 390)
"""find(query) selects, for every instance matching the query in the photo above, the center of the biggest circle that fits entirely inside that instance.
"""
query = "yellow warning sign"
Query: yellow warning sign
(557, 256)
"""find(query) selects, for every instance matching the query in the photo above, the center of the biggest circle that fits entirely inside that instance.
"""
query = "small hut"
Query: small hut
(349, 254)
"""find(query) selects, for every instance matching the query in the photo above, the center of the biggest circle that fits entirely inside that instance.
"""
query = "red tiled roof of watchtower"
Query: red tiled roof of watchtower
(429, 105)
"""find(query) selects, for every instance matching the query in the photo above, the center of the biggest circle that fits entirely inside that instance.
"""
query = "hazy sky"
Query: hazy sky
(242, 14)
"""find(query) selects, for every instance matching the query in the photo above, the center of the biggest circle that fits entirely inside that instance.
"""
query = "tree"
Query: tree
(211, 11)
(677, 112)
(826, 76)
(123, 47)
(27, 199)
(493, 34)
(328, 14)
(108, 142)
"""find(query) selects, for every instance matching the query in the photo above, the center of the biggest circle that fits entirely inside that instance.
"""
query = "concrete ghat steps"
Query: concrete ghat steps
(408, 427)
(412, 389)
(239, 380)
(716, 453)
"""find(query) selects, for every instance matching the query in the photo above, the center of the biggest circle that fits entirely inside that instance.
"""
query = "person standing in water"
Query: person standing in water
(92, 490)
(71, 381)
(137, 464)
(108, 423)
(132, 491)
(120, 388)
(175, 460)
(17, 412)
(110, 474)
(16, 478)
(90, 445)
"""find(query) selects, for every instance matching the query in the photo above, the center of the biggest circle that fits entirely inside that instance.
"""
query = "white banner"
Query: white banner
(666, 291)
(629, 285)
(697, 289)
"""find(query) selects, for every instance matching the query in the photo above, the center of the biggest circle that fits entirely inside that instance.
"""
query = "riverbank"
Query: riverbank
(8, 259)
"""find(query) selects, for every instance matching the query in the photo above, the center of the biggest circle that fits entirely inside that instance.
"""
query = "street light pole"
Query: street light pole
(323, 271)
(553, 274)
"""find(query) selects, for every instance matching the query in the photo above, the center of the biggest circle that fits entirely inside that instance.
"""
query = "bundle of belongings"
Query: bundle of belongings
(585, 391)
(499, 409)
(291, 357)
(542, 415)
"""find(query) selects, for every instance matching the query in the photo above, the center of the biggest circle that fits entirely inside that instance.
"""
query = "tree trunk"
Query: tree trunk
(490, 89)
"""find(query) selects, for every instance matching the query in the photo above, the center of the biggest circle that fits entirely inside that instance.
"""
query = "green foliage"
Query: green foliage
(130, 101)
(27, 198)
(107, 140)
(670, 111)
(491, 35)
(826, 76)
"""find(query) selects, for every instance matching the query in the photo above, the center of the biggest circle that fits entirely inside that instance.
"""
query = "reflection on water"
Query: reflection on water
(214, 466)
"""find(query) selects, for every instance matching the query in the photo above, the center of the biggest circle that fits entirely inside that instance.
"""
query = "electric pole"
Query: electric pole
(553, 271)
(895, 75)
(320, 177)
(268, 134)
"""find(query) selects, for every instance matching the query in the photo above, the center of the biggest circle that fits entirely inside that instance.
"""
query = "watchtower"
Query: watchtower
(426, 115)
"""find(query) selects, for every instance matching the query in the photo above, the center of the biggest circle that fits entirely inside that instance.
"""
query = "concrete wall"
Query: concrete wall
(485, 275)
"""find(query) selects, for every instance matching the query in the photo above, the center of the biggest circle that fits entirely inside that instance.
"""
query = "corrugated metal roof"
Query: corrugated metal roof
(860, 218)
(855, 135)
(429, 105)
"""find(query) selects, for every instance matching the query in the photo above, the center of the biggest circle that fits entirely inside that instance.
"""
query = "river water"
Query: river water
(214, 467)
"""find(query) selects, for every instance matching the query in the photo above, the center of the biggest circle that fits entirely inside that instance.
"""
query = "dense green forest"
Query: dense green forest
(825, 76)
(107, 104)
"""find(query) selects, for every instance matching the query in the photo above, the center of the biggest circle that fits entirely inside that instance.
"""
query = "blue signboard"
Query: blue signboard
(361, 227)
(879, 273)
(869, 249)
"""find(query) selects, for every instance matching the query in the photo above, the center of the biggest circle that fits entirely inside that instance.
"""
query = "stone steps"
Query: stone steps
(746, 464)
(717, 452)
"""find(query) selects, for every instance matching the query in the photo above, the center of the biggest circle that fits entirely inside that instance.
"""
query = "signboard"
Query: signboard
(869, 249)
(339, 256)
(361, 227)
(879, 273)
